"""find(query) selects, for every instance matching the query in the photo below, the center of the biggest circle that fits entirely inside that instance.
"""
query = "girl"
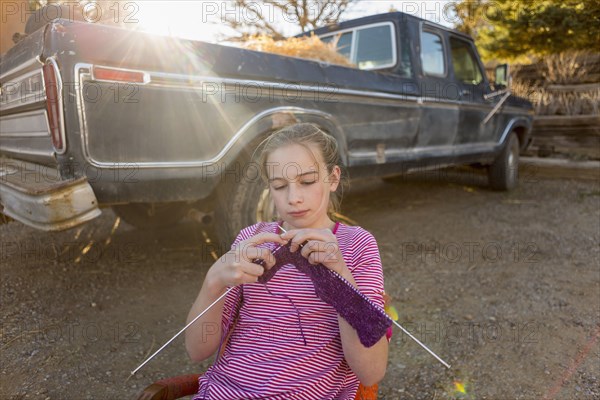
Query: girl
(279, 340)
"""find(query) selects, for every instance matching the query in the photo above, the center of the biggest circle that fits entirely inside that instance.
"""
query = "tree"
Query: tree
(254, 17)
(36, 4)
(471, 16)
(507, 29)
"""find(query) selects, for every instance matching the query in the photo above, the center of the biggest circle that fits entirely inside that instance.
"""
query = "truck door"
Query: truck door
(472, 86)
(380, 130)
(440, 110)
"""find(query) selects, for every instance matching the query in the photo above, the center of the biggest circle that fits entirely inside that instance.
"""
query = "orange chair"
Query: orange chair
(186, 385)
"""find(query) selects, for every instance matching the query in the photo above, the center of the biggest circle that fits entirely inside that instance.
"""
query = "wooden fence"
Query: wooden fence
(576, 137)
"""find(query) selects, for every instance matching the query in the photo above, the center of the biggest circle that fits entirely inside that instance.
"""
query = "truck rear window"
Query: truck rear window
(343, 44)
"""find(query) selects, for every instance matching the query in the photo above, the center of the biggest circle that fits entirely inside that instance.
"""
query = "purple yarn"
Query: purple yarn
(369, 321)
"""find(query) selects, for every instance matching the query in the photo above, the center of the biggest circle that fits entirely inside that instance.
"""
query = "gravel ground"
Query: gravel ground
(503, 286)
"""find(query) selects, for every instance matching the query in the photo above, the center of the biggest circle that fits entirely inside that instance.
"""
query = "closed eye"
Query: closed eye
(306, 183)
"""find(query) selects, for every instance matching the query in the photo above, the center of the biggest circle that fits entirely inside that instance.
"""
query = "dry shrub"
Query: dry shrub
(308, 47)
(553, 102)
(567, 103)
(524, 90)
(569, 67)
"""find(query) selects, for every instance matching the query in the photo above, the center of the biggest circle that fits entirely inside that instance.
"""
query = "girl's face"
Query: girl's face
(300, 187)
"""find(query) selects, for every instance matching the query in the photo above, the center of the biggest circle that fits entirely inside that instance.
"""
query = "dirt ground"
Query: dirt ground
(503, 286)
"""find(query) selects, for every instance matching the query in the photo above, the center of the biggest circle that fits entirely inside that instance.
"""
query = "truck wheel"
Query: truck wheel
(151, 215)
(503, 174)
(243, 200)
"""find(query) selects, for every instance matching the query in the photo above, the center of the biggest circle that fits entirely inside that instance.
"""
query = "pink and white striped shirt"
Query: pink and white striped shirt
(286, 343)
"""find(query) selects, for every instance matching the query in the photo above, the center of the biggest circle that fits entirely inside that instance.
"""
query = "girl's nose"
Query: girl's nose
(294, 194)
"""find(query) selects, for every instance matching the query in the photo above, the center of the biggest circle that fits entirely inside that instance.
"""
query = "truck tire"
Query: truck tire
(503, 174)
(151, 215)
(243, 200)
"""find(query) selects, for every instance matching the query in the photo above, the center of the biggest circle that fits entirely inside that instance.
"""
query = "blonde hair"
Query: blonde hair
(305, 134)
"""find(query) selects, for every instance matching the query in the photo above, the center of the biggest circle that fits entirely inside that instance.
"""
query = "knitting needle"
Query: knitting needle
(181, 331)
(191, 322)
(410, 335)
(422, 345)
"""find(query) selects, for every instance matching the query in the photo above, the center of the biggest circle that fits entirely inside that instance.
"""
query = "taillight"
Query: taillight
(54, 105)
(119, 75)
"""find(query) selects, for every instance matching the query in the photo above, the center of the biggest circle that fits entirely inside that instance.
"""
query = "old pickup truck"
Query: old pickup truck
(96, 116)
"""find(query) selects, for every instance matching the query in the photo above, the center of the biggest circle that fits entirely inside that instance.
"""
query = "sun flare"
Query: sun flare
(185, 19)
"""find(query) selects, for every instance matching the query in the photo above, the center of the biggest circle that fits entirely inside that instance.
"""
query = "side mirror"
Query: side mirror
(502, 77)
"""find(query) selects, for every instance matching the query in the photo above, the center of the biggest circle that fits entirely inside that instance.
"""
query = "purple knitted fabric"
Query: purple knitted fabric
(369, 321)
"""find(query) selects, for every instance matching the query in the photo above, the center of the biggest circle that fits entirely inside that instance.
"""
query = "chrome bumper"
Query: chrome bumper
(34, 195)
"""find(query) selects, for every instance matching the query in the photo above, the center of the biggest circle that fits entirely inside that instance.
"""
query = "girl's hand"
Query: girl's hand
(317, 246)
(240, 265)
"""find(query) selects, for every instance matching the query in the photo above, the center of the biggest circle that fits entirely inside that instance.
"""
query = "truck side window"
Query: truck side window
(432, 54)
(371, 47)
(375, 48)
(466, 68)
